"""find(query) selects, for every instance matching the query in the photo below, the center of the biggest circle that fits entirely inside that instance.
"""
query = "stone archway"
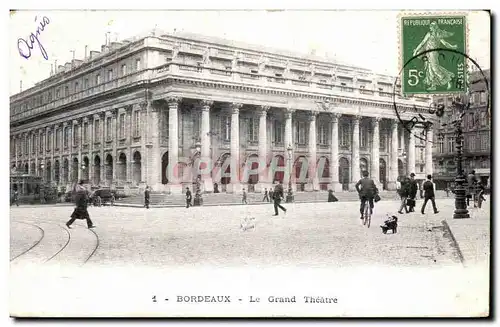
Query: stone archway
(32, 168)
(363, 166)
(122, 167)
(344, 173)
(74, 170)
(225, 163)
(57, 172)
(26, 168)
(253, 178)
(323, 172)
(65, 171)
(301, 169)
(164, 167)
(85, 171)
(137, 168)
(97, 170)
(278, 166)
(108, 169)
(383, 173)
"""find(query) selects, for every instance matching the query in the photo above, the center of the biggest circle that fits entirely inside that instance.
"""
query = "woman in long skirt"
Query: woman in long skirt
(81, 198)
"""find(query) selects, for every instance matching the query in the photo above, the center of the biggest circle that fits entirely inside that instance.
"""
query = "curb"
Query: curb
(454, 240)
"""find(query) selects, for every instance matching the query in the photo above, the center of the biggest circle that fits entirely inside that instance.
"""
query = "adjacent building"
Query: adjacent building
(118, 117)
(476, 131)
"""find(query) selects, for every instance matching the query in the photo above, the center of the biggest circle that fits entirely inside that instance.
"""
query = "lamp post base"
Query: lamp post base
(461, 214)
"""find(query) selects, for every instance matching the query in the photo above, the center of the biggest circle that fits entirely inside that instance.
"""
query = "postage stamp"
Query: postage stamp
(430, 54)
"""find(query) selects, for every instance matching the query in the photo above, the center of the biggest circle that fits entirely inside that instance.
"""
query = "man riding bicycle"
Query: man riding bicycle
(367, 192)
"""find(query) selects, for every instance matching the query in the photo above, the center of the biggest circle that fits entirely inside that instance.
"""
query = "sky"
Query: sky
(367, 39)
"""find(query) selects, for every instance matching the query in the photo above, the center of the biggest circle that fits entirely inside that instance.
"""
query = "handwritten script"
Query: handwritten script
(25, 46)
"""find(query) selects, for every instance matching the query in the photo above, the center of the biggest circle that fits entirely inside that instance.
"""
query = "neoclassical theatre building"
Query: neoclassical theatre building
(118, 117)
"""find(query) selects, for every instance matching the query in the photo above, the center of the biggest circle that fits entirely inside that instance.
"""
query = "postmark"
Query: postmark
(433, 72)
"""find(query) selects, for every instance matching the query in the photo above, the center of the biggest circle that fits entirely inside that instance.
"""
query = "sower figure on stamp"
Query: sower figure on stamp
(189, 197)
(412, 194)
(277, 196)
(429, 194)
(81, 198)
(146, 197)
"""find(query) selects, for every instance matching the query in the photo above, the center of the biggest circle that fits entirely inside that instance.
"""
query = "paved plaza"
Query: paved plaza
(317, 235)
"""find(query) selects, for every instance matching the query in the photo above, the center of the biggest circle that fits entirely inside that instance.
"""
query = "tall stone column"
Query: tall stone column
(52, 154)
(313, 183)
(288, 141)
(102, 142)
(263, 171)
(334, 159)
(355, 175)
(206, 177)
(143, 112)
(393, 166)
(411, 153)
(114, 114)
(375, 164)
(235, 185)
(428, 152)
(173, 185)
(90, 133)
(29, 153)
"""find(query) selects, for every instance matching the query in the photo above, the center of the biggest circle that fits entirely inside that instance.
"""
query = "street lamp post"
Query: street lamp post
(460, 194)
(289, 195)
(198, 200)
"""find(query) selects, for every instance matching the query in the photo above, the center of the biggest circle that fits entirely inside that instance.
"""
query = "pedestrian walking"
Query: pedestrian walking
(146, 197)
(447, 190)
(266, 196)
(331, 197)
(15, 198)
(429, 194)
(480, 195)
(277, 196)
(404, 192)
(244, 197)
(412, 193)
(471, 185)
(189, 197)
(271, 195)
(81, 197)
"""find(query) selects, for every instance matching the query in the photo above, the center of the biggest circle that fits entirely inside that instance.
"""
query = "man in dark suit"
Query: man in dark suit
(412, 192)
(189, 197)
(146, 197)
(277, 196)
(429, 194)
(367, 190)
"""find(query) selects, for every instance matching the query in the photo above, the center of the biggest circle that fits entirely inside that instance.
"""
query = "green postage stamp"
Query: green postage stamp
(433, 53)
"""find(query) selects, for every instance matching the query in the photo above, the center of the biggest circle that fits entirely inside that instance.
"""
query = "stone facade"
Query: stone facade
(128, 112)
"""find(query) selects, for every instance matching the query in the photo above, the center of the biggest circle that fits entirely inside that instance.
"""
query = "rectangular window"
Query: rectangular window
(138, 64)
(121, 124)
(76, 139)
(110, 75)
(33, 143)
(301, 128)
(253, 130)
(382, 142)
(41, 142)
(49, 140)
(323, 134)
(66, 91)
(483, 97)
(137, 123)
(363, 139)
(66, 136)
(124, 70)
(58, 93)
(98, 79)
(26, 145)
(278, 132)
(97, 130)
(108, 128)
(344, 135)
(86, 83)
(58, 138)
(85, 133)
(76, 87)
(49, 97)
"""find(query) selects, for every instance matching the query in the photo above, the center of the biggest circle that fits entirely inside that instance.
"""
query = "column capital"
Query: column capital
(263, 109)
(356, 119)
(394, 123)
(206, 104)
(235, 107)
(85, 119)
(128, 108)
(311, 115)
(65, 123)
(143, 105)
(289, 112)
(173, 101)
(113, 112)
(335, 116)
(375, 121)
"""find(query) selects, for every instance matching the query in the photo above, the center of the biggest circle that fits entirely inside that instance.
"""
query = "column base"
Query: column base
(461, 214)
(175, 189)
(207, 185)
(260, 187)
(234, 188)
(336, 187)
(391, 186)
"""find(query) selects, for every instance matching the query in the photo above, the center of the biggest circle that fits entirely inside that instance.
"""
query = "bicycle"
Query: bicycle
(367, 215)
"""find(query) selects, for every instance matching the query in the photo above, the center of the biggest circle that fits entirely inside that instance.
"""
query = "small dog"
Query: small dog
(390, 224)
(248, 223)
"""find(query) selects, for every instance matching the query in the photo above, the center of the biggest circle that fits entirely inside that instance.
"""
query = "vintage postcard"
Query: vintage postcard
(200, 164)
